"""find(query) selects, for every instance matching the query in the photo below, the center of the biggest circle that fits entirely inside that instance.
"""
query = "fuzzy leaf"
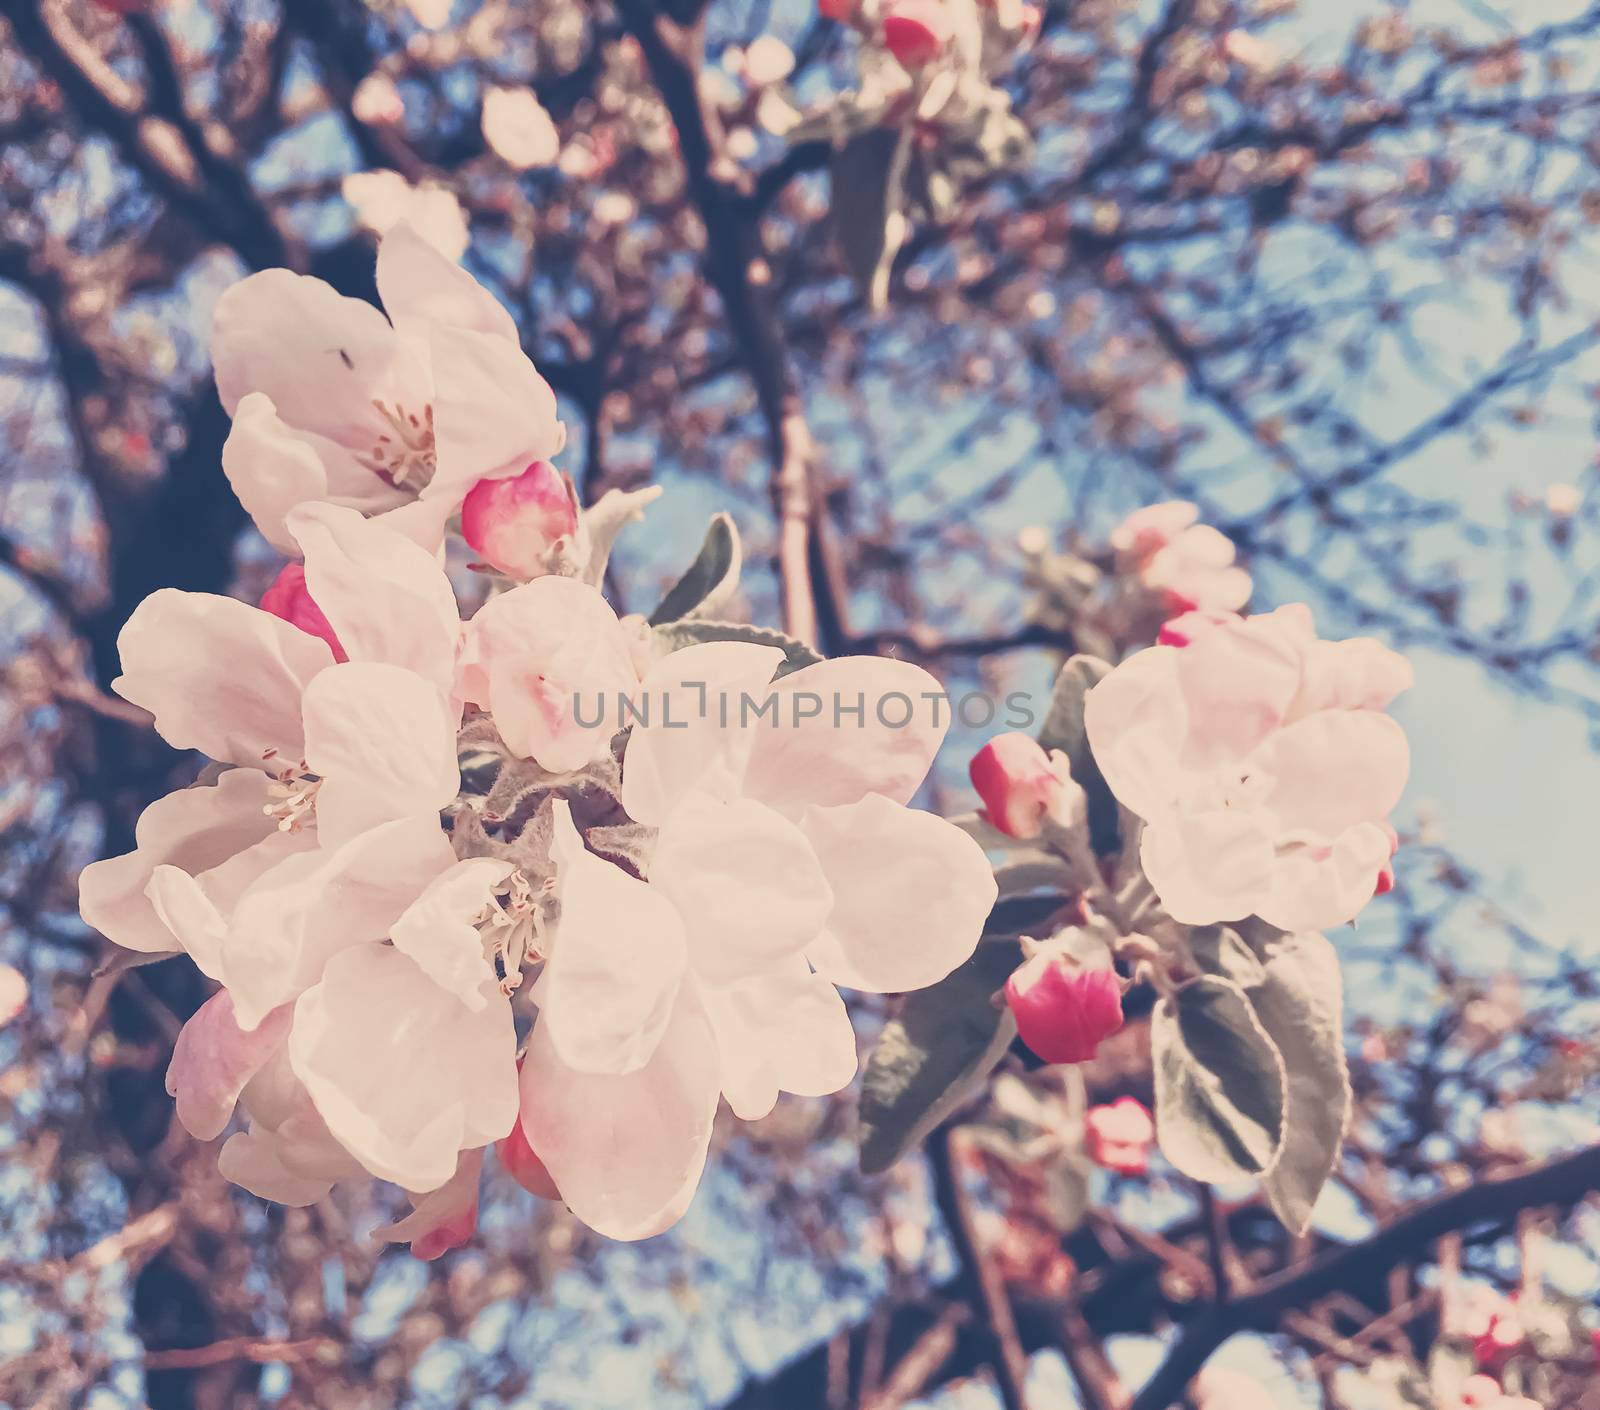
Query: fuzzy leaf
(1063, 729)
(1299, 1003)
(710, 581)
(1220, 1085)
(868, 196)
(1222, 951)
(945, 1040)
(674, 636)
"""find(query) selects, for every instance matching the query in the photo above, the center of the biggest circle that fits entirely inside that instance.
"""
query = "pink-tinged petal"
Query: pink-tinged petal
(321, 358)
(419, 288)
(444, 1219)
(1208, 866)
(389, 600)
(626, 1150)
(1237, 682)
(784, 1031)
(309, 908)
(254, 1161)
(384, 744)
(214, 1058)
(405, 1075)
(1137, 724)
(692, 730)
(1335, 769)
(608, 988)
(1147, 530)
(549, 660)
(1358, 674)
(218, 675)
(492, 411)
(523, 1165)
(194, 829)
(746, 882)
(290, 599)
(273, 467)
(437, 930)
(1316, 888)
(910, 895)
(822, 753)
(279, 1106)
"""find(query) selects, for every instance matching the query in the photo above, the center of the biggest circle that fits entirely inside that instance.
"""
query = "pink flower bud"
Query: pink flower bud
(1014, 777)
(841, 11)
(517, 522)
(916, 31)
(1120, 1136)
(290, 599)
(1063, 1010)
(517, 1156)
(13, 994)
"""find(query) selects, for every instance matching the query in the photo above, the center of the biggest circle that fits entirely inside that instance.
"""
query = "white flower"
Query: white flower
(768, 60)
(377, 100)
(1262, 765)
(786, 863)
(331, 401)
(1189, 566)
(518, 129)
(329, 827)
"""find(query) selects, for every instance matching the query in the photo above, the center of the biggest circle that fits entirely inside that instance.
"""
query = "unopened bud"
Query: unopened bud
(916, 31)
(1120, 1136)
(519, 522)
(1019, 783)
(1063, 1011)
(842, 11)
(290, 599)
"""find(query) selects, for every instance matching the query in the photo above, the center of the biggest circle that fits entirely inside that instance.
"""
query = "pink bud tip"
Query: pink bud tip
(915, 31)
(1385, 882)
(517, 1156)
(1013, 777)
(841, 11)
(1063, 1011)
(1120, 1136)
(443, 1237)
(290, 599)
(516, 521)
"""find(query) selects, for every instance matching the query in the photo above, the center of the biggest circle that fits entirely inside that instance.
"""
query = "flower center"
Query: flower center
(294, 795)
(404, 454)
(514, 925)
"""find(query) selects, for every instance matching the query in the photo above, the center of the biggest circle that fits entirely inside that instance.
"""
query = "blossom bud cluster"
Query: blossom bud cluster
(570, 953)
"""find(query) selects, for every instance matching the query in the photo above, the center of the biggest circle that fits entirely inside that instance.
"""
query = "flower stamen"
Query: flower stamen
(404, 455)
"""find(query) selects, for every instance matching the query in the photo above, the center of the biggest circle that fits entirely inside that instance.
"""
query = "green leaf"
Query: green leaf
(710, 581)
(868, 194)
(1299, 1003)
(1222, 951)
(946, 1039)
(1220, 1087)
(1063, 729)
(691, 631)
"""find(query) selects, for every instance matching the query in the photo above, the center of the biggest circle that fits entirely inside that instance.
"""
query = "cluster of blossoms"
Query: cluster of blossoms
(445, 912)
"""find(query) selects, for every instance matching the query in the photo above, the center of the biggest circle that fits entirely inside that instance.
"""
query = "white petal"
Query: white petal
(1238, 681)
(835, 756)
(311, 907)
(608, 988)
(1208, 866)
(693, 733)
(437, 929)
(219, 676)
(493, 414)
(1316, 888)
(320, 357)
(254, 1161)
(911, 893)
(405, 1075)
(420, 287)
(787, 1031)
(384, 745)
(387, 599)
(1357, 674)
(626, 1150)
(214, 1058)
(1334, 769)
(547, 658)
(194, 829)
(1137, 723)
(746, 882)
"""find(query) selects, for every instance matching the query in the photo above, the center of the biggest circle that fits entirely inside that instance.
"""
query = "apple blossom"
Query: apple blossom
(1262, 765)
(518, 129)
(1063, 1009)
(331, 401)
(521, 524)
(384, 199)
(917, 31)
(1190, 566)
(1120, 1136)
